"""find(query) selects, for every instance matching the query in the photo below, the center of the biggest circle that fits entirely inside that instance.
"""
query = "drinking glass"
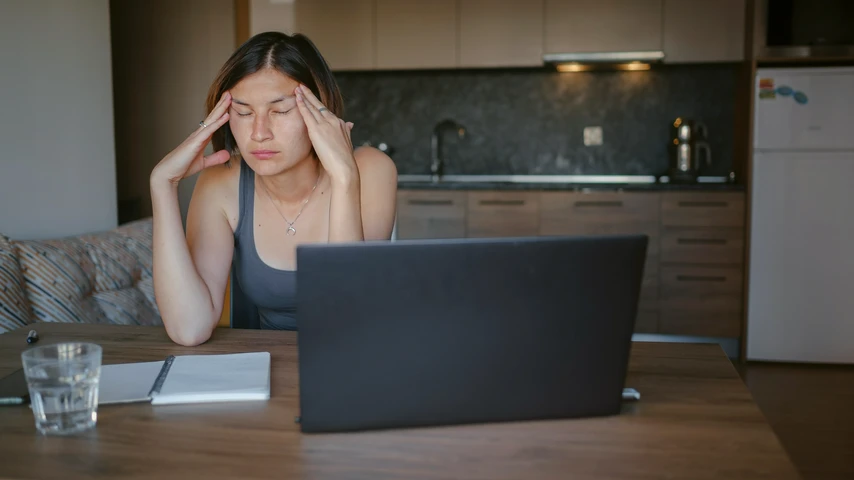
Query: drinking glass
(63, 384)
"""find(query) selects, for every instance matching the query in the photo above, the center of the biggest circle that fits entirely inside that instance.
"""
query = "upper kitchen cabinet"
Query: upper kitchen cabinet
(501, 33)
(704, 31)
(415, 34)
(598, 26)
(343, 31)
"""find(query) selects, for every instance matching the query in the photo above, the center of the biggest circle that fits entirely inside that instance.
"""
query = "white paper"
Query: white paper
(216, 378)
(127, 382)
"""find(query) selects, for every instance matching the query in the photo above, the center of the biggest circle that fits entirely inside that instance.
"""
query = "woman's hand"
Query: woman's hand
(330, 136)
(188, 158)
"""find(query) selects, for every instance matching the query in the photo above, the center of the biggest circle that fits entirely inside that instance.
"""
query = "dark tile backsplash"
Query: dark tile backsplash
(532, 121)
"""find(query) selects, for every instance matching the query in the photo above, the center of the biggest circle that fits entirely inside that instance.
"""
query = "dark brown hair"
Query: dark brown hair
(293, 55)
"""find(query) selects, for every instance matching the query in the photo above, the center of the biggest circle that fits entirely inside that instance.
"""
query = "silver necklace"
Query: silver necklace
(291, 230)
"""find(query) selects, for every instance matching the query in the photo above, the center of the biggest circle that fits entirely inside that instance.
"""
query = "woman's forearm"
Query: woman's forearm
(345, 210)
(183, 298)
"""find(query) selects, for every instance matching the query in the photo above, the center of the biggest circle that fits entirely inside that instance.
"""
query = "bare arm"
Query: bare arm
(190, 274)
(363, 208)
(364, 183)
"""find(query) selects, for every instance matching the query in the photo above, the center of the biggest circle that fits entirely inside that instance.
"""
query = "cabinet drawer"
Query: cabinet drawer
(699, 280)
(431, 214)
(503, 214)
(705, 301)
(646, 321)
(601, 213)
(700, 323)
(702, 245)
(718, 209)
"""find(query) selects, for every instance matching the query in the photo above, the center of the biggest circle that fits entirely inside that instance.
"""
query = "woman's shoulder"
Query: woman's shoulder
(374, 164)
(219, 186)
(220, 178)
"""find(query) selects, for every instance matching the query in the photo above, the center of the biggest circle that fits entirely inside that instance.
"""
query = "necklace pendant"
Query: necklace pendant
(292, 231)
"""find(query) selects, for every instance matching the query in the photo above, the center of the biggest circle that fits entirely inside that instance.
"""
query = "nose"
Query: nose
(261, 130)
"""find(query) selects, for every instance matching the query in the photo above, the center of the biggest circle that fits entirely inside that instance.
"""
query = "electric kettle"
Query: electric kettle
(687, 145)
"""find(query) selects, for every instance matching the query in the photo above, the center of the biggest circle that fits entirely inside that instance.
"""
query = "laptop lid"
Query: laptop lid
(441, 332)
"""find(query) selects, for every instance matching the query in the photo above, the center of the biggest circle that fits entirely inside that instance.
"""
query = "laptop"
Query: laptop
(420, 333)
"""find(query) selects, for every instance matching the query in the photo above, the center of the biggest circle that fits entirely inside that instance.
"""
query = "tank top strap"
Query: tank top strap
(246, 201)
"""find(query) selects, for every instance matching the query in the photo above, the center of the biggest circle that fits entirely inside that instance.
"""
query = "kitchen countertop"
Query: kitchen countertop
(563, 183)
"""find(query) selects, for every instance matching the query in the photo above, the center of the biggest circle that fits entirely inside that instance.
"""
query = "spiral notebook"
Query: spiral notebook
(188, 379)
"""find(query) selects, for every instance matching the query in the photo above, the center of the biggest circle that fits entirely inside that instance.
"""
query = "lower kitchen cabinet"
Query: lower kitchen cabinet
(431, 214)
(693, 275)
(503, 214)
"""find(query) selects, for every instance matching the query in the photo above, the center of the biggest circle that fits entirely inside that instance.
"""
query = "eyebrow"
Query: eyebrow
(280, 99)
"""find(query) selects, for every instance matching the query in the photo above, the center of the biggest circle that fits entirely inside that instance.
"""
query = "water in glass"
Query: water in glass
(63, 383)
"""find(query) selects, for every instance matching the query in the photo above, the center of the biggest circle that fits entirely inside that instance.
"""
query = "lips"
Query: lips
(263, 154)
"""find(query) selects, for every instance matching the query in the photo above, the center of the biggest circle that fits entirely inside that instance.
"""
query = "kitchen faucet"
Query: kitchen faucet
(437, 164)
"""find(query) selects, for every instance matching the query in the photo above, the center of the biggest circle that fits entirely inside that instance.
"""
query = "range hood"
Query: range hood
(583, 61)
(605, 57)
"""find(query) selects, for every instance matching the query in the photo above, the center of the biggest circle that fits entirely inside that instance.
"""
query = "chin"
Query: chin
(266, 167)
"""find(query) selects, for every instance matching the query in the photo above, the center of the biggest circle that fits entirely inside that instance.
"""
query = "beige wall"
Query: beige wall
(166, 54)
(57, 163)
(271, 16)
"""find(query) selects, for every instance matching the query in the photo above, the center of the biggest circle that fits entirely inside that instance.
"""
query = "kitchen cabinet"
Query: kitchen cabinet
(414, 34)
(702, 209)
(431, 214)
(693, 276)
(704, 31)
(503, 214)
(611, 213)
(343, 31)
(702, 256)
(588, 26)
(701, 300)
(501, 33)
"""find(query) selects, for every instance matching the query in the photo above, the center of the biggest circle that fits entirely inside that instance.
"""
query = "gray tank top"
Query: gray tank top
(273, 291)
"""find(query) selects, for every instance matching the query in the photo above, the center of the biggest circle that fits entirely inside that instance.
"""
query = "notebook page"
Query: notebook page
(216, 378)
(127, 382)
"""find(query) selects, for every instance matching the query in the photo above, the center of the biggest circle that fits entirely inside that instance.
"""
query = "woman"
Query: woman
(283, 173)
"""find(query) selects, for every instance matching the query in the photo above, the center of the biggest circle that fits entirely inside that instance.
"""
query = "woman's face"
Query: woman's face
(266, 124)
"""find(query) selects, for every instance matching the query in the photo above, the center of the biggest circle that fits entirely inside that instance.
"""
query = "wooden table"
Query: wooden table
(696, 420)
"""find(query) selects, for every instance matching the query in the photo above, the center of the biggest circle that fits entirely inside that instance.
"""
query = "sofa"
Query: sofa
(103, 277)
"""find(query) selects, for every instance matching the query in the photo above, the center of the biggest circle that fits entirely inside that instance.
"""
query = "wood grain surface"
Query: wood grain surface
(696, 420)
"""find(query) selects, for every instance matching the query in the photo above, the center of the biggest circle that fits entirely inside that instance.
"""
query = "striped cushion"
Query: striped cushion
(14, 310)
(127, 306)
(59, 277)
(118, 272)
(139, 242)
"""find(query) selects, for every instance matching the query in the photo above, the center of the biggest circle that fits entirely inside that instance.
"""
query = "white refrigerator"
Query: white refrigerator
(801, 281)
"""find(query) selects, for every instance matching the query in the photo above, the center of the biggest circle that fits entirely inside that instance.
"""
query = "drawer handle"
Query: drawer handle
(603, 203)
(502, 202)
(701, 241)
(703, 204)
(417, 201)
(700, 278)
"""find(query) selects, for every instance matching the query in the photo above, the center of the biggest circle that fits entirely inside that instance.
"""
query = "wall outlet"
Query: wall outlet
(592, 136)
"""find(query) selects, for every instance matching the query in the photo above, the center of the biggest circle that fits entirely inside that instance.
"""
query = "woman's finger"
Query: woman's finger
(309, 113)
(316, 103)
(345, 130)
(220, 108)
(216, 158)
(201, 163)
(204, 135)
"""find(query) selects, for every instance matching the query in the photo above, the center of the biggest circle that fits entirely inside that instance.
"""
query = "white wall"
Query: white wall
(57, 155)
